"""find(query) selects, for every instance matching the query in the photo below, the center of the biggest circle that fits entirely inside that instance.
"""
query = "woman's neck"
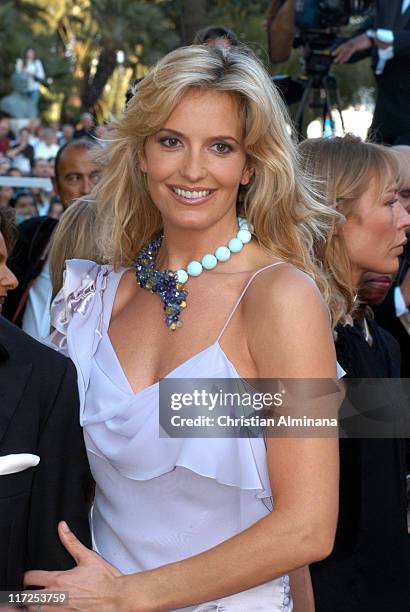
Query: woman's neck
(182, 245)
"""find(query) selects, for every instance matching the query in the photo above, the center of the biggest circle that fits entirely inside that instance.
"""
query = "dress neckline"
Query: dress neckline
(154, 385)
(216, 344)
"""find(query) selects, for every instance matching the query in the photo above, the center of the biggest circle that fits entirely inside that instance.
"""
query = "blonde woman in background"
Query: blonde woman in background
(199, 169)
(369, 569)
(73, 238)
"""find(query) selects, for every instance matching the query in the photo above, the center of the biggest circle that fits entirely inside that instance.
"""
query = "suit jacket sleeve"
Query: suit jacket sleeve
(402, 43)
(62, 485)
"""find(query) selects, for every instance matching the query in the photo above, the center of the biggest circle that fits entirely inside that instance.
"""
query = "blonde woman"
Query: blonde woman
(369, 568)
(199, 162)
(74, 238)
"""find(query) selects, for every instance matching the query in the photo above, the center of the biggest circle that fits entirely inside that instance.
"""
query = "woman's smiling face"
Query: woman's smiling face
(197, 161)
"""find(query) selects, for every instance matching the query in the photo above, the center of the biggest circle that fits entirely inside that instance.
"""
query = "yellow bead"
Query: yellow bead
(173, 326)
(183, 304)
(179, 286)
(169, 310)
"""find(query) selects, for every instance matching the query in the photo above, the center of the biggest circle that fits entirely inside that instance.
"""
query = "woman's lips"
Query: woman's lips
(191, 197)
(380, 282)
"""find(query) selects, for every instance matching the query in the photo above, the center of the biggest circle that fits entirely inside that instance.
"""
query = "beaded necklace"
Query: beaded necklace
(169, 285)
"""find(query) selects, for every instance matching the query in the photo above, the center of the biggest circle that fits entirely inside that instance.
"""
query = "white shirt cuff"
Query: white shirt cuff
(385, 36)
(399, 303)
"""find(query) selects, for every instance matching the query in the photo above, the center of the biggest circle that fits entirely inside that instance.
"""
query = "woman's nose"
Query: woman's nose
(193, 167)
(402, 216)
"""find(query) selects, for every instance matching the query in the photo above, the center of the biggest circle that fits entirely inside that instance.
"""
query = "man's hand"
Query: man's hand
(344, 52)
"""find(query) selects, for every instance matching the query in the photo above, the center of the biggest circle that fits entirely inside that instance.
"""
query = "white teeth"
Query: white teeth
(190, 195)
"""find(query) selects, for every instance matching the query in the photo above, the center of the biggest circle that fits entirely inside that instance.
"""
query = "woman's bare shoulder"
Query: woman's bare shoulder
(288, 324)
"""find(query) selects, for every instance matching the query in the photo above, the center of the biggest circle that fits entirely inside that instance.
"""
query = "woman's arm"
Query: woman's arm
(40, 74)
(302, 590)
(289, 337)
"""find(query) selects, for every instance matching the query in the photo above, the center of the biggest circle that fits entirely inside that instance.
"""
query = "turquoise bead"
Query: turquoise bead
(194, 268)
(222, 253)
(244, 236)
(235, 245)
(182, 276)
(209, 261)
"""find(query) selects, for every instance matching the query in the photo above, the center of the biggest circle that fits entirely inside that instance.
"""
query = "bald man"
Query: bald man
(394, 313)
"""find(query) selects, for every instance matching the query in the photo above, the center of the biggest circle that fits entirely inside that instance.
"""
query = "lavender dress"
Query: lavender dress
(157, 500)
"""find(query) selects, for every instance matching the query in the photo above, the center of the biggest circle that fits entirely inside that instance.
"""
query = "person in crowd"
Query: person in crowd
(6, 195)
(216, 35)
(202, 142)
(86, 127)
(75, 176)
(393, 313)
(14, 172)
(369, 567)
(40, 168)
(44, 473)
(47, 147)
(74, 238)
(67, 134)
(21, 152)
(34, 127)
(25, 207)
(5, 136)
(55, 125)
(386, 38)
(5, 164)
(42, 195)
(32, 66)
(56, 209)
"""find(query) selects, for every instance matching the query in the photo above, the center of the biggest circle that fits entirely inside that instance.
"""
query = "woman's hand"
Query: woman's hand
(92, 586)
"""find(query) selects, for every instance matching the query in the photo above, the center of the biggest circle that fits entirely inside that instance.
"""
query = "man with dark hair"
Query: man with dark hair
(44, 473)
(28, 306)
(216, 35)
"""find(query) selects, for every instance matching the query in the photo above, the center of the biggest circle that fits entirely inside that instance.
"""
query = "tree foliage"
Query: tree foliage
(92, 48)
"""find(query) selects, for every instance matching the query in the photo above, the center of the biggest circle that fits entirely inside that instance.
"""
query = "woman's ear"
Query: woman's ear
(142, 162)
(247, 174)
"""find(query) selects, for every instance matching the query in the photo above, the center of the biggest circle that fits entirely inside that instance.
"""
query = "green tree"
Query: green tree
(139, 29)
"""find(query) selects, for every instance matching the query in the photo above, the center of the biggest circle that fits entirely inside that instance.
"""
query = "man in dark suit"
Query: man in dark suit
(386, 37)
(44, 473)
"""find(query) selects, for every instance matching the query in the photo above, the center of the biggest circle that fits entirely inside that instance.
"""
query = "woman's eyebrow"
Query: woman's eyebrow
(181, 135)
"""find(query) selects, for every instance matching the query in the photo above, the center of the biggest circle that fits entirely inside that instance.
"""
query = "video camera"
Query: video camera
(315, 23)
(314, 26)
(327, 14)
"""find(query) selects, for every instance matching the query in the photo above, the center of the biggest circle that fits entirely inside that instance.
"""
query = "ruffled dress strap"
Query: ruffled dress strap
(78, 313)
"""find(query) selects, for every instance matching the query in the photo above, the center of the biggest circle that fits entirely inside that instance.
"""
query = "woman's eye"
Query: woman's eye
(170, 142)
(391, 203)
(221, 147)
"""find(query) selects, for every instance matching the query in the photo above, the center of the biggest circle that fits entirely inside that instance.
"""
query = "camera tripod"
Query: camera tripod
(322, 86)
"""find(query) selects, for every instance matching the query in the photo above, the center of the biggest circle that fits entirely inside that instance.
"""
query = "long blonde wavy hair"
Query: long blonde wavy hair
(74, 238)
(343, 169)
(288, 217)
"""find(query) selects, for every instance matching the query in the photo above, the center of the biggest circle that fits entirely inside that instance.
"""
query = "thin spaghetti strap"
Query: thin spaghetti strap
(238, 301)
